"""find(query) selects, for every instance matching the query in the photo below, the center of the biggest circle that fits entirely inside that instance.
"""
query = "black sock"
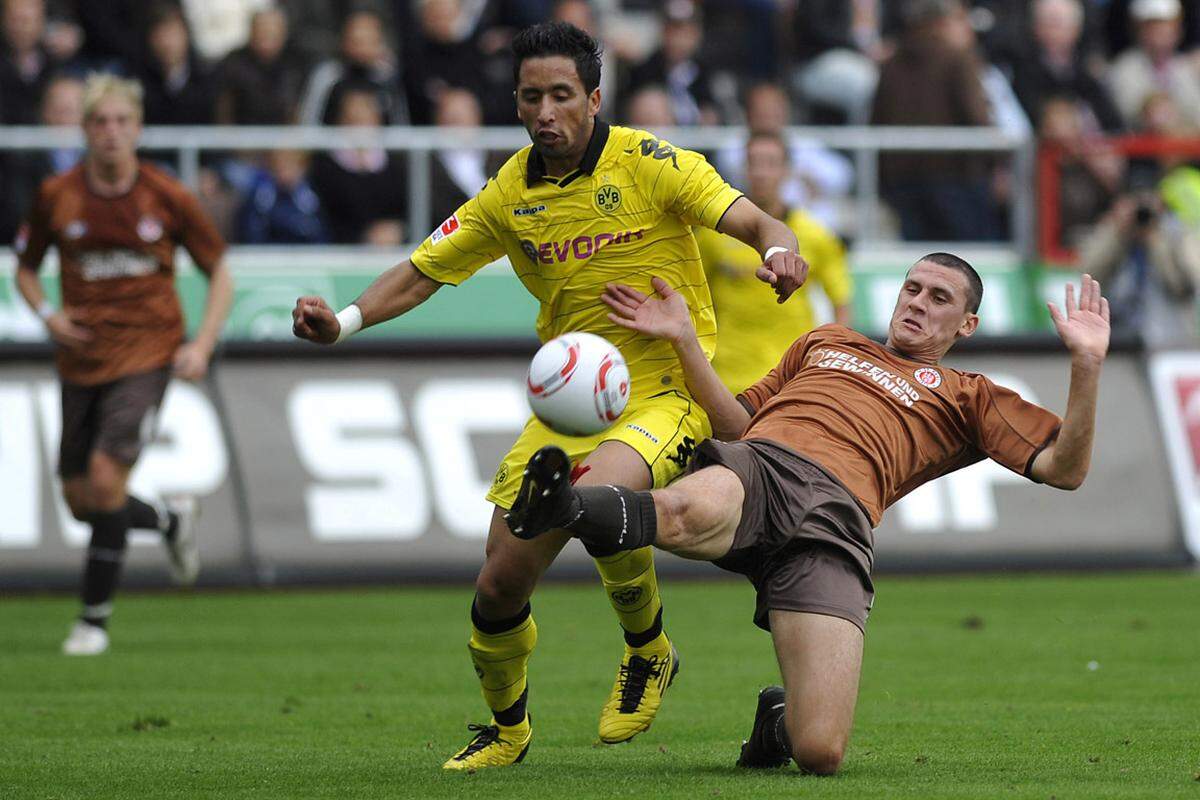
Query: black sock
(514, 714)
(105, 554)
(146, 517)
(610, 519)
(647, 636)
(775, 736)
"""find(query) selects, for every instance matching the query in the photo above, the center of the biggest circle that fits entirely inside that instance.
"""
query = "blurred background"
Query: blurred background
(1036, 138)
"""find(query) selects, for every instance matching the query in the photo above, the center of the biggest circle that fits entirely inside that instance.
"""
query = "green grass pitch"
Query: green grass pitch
(973, 687)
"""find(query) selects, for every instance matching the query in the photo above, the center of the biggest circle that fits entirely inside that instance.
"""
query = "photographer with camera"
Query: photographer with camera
(1149, 260)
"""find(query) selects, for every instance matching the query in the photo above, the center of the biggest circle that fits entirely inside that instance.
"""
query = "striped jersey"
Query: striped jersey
(624, 215)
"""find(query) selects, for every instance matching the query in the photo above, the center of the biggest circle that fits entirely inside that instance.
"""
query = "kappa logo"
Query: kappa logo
(529, 211)
(683, 453)
(928, 377)
(608, 198)
(642, 431)
(627, 597)
(658, 150)
(445, 229)
(149, 229)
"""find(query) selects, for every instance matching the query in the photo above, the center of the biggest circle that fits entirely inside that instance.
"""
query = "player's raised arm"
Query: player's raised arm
(1084, 329)
(398, 290)
(783, 267)
(667, 317)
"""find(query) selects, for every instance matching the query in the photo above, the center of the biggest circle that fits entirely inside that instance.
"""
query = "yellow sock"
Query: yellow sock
(501, 661)
(632, 587)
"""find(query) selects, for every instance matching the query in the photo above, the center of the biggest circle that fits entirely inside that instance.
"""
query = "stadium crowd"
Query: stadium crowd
(1075, 72)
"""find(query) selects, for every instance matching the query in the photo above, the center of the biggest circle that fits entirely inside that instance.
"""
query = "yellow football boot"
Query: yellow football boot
(642, 679)
(493, 746)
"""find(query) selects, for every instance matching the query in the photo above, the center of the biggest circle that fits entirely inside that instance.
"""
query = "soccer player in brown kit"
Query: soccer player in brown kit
(116, 223)
(803, 464)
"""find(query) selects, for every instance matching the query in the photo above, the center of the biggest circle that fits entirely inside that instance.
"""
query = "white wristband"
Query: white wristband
(350, 319)
(45, 310)
(772, 251)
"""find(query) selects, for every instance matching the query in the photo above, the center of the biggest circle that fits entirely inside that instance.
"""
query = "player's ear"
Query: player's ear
(970, 324)
(594, 102)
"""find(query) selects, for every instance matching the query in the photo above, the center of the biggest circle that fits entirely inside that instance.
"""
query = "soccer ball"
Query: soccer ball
(578, 384)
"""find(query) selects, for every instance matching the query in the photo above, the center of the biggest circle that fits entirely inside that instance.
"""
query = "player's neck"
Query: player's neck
(111, 179)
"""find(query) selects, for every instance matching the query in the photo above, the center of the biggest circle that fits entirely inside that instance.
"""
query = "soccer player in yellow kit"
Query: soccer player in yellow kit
(753, 333)
(586, 205)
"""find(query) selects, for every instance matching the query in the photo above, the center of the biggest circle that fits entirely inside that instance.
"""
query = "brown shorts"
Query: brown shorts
(801, 536)
(116, 417)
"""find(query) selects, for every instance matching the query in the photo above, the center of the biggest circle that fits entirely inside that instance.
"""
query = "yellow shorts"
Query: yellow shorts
(663, 429)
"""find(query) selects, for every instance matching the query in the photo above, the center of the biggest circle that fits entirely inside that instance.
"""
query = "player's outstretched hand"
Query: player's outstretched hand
(786, 272)
(1083, 326)
(314, 320)
(664, 315)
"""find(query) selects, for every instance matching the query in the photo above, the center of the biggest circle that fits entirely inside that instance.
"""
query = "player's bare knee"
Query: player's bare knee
(671, 509)
(818, 757)
(78, 501)
(498, 590)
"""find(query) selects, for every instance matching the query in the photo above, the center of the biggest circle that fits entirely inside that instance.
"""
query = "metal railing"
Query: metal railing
(864, 142)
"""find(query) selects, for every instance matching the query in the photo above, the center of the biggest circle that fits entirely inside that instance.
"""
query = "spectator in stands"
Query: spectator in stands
(220, 26)
(281, 206)
(179, 90)
(314, 26)
(1052, 64)
(676, 65)
(456, 175)
(362, 189)
(260, 83)
(1155, 64)
(650, 108)
(25, 66)
(113, 34)
(932, 80)
(447, 52)
(818, 179)
(22, 172)
(839, 46)
(581, 14)
(1090, 170)
(364, 59)
(1149, 263)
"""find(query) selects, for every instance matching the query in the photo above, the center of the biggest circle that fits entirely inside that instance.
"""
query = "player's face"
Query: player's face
(555, 108)
(766, 167)
(112, 129)
(931, 312)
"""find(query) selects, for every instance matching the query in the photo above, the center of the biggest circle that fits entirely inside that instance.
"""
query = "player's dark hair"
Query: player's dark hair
(974, 282)
(559, 39)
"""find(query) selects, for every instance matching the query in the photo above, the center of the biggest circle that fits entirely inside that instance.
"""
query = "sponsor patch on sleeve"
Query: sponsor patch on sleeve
(445, 229)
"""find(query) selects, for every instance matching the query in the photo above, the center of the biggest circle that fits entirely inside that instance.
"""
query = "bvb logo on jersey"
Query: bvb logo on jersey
(608, 198)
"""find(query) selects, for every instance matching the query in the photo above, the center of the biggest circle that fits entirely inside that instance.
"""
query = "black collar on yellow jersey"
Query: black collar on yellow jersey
(536, 166)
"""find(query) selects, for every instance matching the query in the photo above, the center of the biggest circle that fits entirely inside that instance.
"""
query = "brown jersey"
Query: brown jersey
(117, 267)
(883, 424)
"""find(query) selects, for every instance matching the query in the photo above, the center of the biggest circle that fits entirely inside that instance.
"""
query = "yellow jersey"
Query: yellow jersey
(625, 215)
(755, 331)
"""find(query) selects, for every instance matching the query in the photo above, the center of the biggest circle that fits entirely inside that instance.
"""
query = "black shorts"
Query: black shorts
(117, 418)
(801, 537)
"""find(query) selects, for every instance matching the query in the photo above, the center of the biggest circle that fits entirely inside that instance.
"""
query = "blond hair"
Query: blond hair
(100, 85)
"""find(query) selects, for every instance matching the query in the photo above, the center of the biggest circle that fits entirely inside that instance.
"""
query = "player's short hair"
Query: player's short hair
(100, 85)
(559, 39)
(771, 136)
(974, 282)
